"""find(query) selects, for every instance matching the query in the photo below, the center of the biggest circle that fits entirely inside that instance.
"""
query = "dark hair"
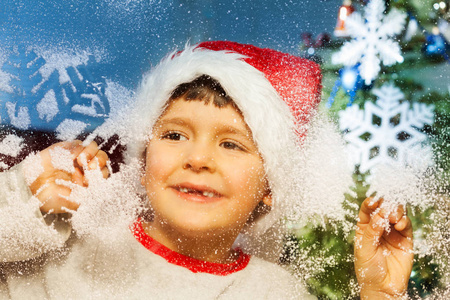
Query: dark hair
(203, 88)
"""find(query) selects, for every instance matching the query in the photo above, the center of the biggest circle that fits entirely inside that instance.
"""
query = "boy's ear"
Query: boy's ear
(267, 199)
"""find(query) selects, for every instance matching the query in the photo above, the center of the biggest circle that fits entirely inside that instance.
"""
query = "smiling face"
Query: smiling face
(203, 174)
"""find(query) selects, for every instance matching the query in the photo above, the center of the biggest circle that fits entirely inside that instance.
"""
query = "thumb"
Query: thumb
(371, 235)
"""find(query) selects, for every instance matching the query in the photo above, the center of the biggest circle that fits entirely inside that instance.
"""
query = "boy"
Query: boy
(218, 127)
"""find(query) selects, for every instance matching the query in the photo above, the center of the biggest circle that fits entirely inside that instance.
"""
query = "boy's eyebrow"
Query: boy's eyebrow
(234, 130)
(177, 121)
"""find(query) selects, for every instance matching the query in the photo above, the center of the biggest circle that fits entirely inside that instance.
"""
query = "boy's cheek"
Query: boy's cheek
(160, 159)
(247, 175)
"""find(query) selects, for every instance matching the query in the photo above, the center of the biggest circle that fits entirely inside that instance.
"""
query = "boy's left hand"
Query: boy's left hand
(53, 195)
(383, 252)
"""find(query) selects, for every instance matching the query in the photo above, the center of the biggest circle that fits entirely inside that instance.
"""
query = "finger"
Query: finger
(393, 213)
(75, 147)
(48, 177)
(105, 172)
(404, 227)
(54, 198)
(78, 177)
(376, 228)
(87, 154)
(367, 208)
(400, 235)
(99, 161)
(370, 236)
(397, 215)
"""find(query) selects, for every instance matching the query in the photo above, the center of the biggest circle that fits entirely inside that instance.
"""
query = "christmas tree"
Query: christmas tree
(387, 86)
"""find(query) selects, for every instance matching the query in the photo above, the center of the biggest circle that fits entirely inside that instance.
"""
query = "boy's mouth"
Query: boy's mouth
(198, 190)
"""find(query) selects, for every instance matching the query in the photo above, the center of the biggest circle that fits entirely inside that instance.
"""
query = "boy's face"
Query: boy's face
(203, 173)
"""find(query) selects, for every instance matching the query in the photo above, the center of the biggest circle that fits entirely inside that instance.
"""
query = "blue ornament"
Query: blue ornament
(436, 45)
(350, 80)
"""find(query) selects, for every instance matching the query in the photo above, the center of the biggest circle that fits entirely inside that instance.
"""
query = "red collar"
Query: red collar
(194, 265)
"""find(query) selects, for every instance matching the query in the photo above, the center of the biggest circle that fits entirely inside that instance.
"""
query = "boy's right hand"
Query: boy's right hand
(48, 187)
(383, 251)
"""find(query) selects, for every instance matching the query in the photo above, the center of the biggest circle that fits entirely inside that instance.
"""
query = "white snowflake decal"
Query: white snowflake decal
(54, 90)
(387, 130)
(371, 43)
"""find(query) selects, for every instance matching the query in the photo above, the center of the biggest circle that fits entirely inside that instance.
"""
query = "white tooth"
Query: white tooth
(183, 190)
(208, 194)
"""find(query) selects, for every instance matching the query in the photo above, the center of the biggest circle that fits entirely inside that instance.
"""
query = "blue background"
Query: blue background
(136, 34)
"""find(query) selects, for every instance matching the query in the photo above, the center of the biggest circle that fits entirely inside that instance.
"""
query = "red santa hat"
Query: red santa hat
(296, 80)
(276, 92)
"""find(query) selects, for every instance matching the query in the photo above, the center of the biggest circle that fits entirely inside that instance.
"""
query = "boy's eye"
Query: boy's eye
(231, 146)
(174, 136)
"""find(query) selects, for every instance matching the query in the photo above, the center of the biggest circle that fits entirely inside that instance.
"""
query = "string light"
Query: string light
(344, 11)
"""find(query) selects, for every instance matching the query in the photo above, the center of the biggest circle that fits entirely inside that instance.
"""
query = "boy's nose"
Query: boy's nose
(199, 158)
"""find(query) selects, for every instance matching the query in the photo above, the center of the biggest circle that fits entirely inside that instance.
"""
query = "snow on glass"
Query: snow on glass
(110, 205)
(65, 98)
(372, 41)
(50, 88)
